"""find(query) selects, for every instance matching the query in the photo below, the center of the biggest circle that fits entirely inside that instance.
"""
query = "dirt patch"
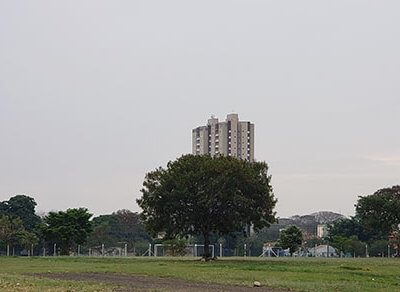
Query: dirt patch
(143, 283)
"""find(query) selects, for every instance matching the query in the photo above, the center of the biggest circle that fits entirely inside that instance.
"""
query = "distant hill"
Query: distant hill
(322, 217)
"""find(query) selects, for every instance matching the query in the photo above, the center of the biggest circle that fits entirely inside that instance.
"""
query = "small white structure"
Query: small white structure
(323, 251)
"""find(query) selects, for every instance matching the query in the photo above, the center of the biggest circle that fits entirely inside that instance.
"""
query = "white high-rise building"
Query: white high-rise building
(229, 138)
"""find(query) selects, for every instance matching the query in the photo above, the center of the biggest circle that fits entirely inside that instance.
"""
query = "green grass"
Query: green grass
(297, 274)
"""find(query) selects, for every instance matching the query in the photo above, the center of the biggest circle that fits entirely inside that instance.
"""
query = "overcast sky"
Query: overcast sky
(93, 94)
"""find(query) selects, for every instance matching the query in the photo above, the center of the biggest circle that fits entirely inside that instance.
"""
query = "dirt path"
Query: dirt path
(140, 283)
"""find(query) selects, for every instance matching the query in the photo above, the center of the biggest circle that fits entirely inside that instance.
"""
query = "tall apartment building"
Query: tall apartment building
(229, 138)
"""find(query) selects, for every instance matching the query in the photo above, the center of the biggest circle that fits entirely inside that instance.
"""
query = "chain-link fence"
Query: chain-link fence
(149, 249)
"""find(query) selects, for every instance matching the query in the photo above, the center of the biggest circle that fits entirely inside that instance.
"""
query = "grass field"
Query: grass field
(296, 274)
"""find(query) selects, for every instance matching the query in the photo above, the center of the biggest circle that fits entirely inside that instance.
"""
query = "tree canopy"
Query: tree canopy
(348, 227)
(202, 194)
(10, 229)
(291, 238)
(379, 213)
(23, 207)
(119, 227)
(67, 228)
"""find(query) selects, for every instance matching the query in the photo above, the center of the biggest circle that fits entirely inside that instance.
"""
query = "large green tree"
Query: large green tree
(67, 228)
(23, 207)
(201, 195)
(379, 213)
(291, 238)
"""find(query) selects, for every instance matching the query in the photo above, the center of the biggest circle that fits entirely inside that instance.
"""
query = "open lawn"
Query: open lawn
(109, 274)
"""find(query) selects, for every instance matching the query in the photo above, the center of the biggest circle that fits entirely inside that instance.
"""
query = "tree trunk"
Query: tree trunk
(206, 246)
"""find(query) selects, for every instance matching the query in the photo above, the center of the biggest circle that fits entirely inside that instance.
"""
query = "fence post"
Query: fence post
(126, 249)
(8, 250)
(220, 250)
(195, 250)
(55, 249)
(388, 251)
(245, 250)
(102, 249)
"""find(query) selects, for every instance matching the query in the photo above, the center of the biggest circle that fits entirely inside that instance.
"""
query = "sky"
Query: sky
(94, 94)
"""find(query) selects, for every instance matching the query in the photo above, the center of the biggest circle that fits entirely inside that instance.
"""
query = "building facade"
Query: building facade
(322, 230)
(232, 138)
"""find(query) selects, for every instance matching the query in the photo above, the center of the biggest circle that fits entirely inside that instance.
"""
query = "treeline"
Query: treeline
(375, 228)
(23, 232)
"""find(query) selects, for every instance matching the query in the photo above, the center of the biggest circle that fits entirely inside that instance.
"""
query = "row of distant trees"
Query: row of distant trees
(22, 230)
(216, 196)
(376, 224)
(198, 198)
(373, 231)
(194, 198)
